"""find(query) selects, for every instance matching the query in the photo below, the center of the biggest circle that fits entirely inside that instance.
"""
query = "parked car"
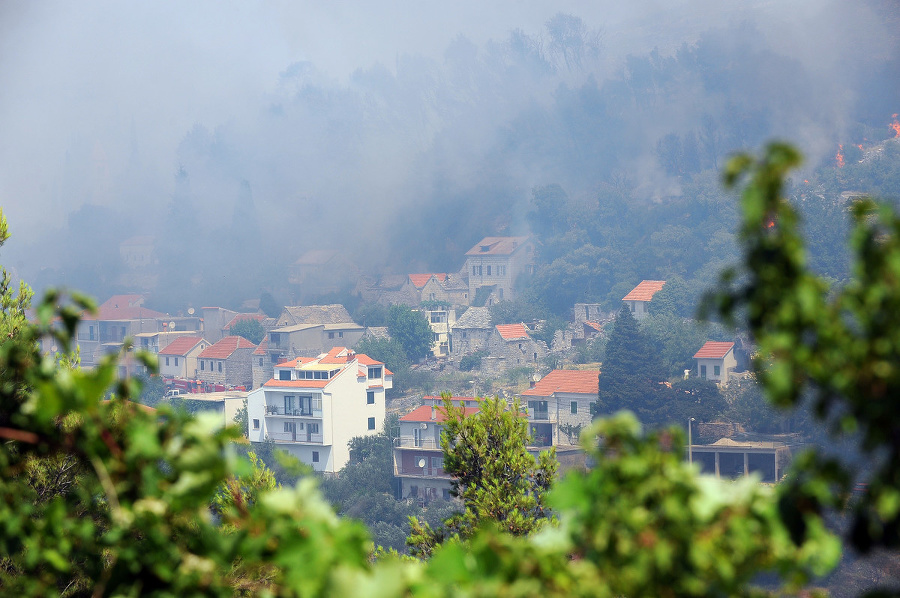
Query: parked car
(175, 392)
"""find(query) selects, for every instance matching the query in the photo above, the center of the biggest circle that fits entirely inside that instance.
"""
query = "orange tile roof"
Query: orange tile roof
(242, 317)
(337, 355)
(714, 350)
(181, 345)
(594, 325)
(294, 362)
(226, 347)
(420, 280)
(644, 291)
(512, 331)
(366, 360)
(423, 414)
(575, 381)
(261, 349)
(497, 245)
(453, 398)
(298, 383)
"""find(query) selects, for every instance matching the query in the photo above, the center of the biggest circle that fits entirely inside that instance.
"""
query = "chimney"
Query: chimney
(433, 412)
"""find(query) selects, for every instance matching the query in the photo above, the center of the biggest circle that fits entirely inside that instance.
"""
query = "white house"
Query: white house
(179, 358)
(715, 360)
(496, 262)
(638, 300)
(313, 406)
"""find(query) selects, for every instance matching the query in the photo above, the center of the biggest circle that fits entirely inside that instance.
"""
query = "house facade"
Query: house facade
(227, 362)
(559, 405)
(179, 358)
(511, 345)
(313, 406)
(638, 300)
(471, 332)
(496, 262)
(716, 361)
(418, 458)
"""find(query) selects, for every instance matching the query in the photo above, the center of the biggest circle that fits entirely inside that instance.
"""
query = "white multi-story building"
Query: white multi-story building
(313, 406)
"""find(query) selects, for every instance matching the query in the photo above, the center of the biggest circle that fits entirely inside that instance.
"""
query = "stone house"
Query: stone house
(512, 346)
(227, 362)
(471, 332)
(638, 300)
(496, 262)
(716, 361)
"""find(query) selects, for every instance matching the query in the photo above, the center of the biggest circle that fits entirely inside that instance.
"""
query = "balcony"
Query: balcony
(280, 411)
(420, 472)
(299, 437)
(420, 443)
(541, 415)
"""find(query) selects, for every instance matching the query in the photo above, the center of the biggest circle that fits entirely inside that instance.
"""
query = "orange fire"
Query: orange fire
(806, 181)
(895, 126)
(840, 156)
(859, 146)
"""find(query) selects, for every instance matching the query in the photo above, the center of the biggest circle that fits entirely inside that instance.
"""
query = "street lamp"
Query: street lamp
(690, 443)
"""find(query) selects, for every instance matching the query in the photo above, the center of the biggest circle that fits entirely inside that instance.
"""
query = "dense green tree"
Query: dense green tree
(412, 330)
(249, 328)
(631, 372)
(492, 472)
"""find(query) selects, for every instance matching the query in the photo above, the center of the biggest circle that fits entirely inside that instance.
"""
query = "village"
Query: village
(307, 389)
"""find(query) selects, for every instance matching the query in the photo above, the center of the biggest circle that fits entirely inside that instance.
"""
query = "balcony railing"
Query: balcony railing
(300, 436)
(420, 472)
(275, 410)
(412, 442)
(540, 415)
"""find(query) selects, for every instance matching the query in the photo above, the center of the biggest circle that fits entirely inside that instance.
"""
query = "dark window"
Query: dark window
(574, 406)
(220, 366)
(330, 335)
(202, 365)
(284, 374)
(167, 361)
(446, 493)
(260, 361)
(370, 397)
(374, 373)
(176, 361)
(489, 271)
(315, 456)
(371, 423)
(716, 370)
(703, 371)
(256, 424)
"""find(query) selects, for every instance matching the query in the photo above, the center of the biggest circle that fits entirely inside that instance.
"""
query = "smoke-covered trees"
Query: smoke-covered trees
(411, 330)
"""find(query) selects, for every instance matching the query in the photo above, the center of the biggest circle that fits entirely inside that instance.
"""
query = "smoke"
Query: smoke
(395, 132)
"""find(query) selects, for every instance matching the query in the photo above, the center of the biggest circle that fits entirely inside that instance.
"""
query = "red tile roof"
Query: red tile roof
(181, 345)
(575, 381)
(366, 360)
(497, 246)
(714, 350)
(512, 331)
(298, 383)
(419, 280)
(644, 291)
(594, 325)
(337, 356)
(124, 307)
(261, 349)
(453, 398)
(226, 347)
(423, 414)
(294, 362)
(242, 317)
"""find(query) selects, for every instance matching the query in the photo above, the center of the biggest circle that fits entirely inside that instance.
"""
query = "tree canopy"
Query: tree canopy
(412, 330)
(249, 328)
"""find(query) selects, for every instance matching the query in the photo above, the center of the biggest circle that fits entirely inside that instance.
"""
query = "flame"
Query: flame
(771, 224)
(806, 181)
(859, 146)
(895, 126)
(840, 156)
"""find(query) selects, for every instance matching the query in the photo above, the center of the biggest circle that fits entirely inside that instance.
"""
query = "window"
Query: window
(176, 361)
(260, 362)
(312, 428)
(220, 366)
(288, 426)
(202, 365)
(330, 335)
(370, 397)
(500, 292)
(374, 373)
(284, 374)
(446, 493)
(289, 404)
(371, 423)
(340, 335)
(489, 270)
(437, 462)
(716, 370)
(501, 270)
(479, 270)
(703, 371)
(167, 361)
(574, 407)
(256, 424)
(474, 270)
(315, 456)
